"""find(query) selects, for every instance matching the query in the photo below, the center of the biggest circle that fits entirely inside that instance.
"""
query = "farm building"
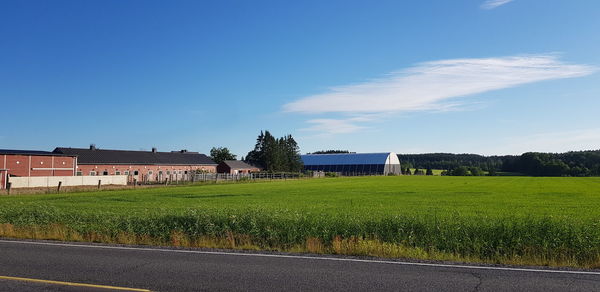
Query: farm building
(27, 163)
(353, 163)
(235, 167)
(139, 165)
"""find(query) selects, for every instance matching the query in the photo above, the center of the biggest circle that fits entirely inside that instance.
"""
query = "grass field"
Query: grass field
(515, 220)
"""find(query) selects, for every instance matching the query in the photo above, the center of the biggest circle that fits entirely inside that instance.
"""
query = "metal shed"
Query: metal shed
(353, 163)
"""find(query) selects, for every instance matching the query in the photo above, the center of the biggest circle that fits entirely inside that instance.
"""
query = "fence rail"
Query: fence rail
(245, 176)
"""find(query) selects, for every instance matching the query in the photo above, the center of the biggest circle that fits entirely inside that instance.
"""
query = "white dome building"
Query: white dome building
(353, 163)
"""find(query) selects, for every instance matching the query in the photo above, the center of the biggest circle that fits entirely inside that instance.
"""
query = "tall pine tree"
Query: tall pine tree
(275, 154)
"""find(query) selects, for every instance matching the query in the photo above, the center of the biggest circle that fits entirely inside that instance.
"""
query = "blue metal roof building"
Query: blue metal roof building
(353, 163)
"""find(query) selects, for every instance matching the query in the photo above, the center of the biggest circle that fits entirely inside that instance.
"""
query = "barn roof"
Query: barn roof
(102, 156)
(238, 164)
(346, 158)
(30, 152)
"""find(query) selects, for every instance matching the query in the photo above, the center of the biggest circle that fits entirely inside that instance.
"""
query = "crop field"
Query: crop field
(510, 220)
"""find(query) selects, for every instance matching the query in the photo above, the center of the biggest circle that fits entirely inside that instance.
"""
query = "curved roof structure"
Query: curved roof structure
(350, 158)
(353, 163)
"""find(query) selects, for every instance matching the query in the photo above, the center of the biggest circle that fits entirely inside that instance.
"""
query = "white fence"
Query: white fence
(52, 181)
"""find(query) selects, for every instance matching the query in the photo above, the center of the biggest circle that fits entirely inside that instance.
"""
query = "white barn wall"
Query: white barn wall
(52, 181)
(392, 164)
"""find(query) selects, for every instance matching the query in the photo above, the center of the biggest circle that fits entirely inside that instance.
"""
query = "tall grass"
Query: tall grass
(539, 240)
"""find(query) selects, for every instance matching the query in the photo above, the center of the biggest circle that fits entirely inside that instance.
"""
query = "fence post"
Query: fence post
(8, 185)
(99, 183)
(134, 183)
(58, 189)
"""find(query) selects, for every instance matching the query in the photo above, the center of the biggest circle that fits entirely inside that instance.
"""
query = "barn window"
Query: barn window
(79, 173)
(117, 173)
(127, 172)
(168, 172)
(135, 172)
(92, 173)
(105, 172)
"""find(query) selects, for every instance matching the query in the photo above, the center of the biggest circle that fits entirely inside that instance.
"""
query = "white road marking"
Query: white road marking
(305, 257)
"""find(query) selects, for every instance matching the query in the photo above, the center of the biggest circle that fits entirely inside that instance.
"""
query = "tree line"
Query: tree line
(575, 163)
(449, 161)
(331, 152)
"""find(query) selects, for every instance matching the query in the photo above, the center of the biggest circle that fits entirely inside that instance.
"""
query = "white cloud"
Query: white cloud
(334, 126)
(428, 86)
(573, 140)
(491, 4)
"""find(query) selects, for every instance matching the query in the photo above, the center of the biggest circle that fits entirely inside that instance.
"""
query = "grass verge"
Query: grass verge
(520, 241)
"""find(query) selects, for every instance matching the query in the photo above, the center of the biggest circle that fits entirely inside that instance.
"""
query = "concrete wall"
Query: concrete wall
(52, 181)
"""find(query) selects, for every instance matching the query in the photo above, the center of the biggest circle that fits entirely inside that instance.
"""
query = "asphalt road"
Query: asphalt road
(159, 269)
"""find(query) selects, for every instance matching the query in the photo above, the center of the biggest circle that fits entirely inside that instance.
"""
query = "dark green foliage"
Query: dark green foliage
(407, 171)
(429, 171)
(459, 171)
(220, 154)
(451, 161)
(578, 163)
(275, 154)
(475, 171)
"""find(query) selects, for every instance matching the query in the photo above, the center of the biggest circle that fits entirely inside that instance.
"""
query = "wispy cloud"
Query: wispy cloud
(427, 85)
(335, 126)
(432, 86)
(491, 4)
(579, 139)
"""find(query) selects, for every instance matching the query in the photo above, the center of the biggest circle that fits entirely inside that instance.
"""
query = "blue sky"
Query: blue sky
(472, 76)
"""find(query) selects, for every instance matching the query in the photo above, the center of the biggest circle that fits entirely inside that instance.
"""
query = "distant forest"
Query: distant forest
(578, 163)
(330, 152)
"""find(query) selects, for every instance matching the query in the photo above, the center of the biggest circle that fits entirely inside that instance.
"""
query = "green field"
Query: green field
(520, 220)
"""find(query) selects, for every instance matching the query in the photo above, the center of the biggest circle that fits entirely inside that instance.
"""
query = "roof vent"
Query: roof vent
(183, 151)
(153, 149)
(92, 146)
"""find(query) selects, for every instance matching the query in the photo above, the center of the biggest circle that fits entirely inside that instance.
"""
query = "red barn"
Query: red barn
(236, 167)
(139, 165)
(35, 163)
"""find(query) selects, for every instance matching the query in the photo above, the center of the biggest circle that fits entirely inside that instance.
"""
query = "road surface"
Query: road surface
(33, 265)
